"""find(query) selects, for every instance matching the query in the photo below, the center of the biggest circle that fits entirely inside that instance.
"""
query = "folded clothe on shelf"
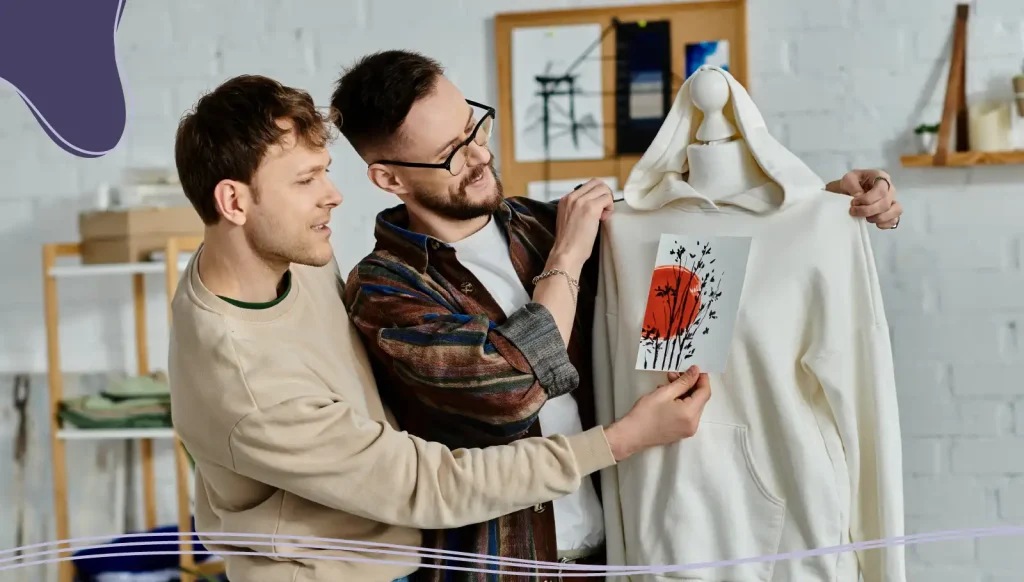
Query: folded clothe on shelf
(130, 402)
(98, 411)
(151, 386)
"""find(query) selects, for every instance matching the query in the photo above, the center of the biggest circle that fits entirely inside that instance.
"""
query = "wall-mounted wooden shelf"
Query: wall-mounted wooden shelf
(954, 115)
(964, 159)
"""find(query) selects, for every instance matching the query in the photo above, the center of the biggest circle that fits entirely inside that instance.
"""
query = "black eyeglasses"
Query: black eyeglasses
(456, 161)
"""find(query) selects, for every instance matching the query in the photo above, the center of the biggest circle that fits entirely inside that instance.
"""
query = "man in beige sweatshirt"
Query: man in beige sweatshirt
(272, 392)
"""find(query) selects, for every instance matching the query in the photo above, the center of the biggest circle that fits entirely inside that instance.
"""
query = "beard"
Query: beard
(457, 205)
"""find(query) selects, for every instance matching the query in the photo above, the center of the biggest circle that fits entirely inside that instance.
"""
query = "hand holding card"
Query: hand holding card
(692, 304)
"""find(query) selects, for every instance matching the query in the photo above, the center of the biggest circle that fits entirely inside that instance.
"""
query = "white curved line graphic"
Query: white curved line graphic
(577, 570)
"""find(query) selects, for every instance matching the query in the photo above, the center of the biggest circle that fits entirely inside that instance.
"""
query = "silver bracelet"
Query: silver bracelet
(574, 285)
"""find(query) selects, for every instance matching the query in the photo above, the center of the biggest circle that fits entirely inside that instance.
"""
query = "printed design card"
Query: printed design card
(692, 303)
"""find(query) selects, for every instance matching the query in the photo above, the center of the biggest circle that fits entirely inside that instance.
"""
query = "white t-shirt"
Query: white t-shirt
(579, 523)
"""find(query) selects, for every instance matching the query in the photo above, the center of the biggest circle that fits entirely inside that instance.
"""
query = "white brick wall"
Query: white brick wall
(840, 82)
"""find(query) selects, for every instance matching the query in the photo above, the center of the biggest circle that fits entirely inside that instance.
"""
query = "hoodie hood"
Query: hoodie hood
(658, 178)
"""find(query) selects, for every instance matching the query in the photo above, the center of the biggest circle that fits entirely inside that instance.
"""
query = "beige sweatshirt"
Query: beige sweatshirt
(279, 409)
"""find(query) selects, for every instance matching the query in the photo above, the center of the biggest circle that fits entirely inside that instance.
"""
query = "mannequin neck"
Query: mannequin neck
(718, 170)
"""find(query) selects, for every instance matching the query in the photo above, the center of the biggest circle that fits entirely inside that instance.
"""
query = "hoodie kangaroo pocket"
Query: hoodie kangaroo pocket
(702, 501)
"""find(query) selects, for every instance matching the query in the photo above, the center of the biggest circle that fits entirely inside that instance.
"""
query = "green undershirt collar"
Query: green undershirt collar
(286, 283)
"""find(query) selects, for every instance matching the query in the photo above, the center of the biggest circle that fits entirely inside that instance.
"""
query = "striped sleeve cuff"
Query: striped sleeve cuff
(532, 330)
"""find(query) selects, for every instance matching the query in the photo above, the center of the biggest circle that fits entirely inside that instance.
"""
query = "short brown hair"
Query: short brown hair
(227, 133)
(373, 97)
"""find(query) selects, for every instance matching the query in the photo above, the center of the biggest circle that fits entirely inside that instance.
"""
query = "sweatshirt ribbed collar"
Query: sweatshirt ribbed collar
(199, 292)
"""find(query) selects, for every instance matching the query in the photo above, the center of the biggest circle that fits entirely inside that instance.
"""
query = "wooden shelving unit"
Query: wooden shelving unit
(955, 111)
(61, 435)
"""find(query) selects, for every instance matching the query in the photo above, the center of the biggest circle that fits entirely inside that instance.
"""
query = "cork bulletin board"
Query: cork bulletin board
(581, 93)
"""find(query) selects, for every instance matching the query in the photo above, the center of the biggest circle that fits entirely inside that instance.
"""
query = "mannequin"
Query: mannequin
(799, 447)
(722, 166)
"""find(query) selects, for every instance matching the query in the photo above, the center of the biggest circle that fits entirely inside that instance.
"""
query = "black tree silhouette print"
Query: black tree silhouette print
(680, 305)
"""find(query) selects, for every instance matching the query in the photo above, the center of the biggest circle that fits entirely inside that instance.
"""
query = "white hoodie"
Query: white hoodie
(799, 447)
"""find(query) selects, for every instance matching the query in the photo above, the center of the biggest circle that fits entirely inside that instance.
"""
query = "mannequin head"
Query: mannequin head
(709, 91)
(720, 163)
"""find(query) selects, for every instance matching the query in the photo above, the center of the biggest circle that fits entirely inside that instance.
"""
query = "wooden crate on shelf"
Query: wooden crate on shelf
(124, 236)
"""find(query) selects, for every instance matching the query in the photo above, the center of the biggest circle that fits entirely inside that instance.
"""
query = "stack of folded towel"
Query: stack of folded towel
(132, 402)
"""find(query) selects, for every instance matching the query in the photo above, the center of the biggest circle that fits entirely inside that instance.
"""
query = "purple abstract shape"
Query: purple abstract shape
(60, 56)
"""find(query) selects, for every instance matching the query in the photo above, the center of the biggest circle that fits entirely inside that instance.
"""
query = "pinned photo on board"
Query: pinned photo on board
(692, 303)
(714, 53)
(643, 83)
(556, 96)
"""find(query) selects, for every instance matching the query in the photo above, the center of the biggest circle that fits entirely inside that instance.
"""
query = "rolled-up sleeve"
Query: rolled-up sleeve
(467, 367)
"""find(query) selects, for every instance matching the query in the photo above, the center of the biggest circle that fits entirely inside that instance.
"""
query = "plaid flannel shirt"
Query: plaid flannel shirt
(453, 369)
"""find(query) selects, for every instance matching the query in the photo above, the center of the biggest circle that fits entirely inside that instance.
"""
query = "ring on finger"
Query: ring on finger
(887, 182)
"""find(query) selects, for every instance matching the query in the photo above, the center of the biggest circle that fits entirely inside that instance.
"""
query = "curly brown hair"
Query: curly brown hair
(229, 130)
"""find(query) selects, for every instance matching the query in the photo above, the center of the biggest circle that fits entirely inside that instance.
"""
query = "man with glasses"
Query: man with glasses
(476, 308)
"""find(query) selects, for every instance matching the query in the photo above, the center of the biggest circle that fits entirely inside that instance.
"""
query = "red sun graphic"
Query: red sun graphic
(664, 309)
